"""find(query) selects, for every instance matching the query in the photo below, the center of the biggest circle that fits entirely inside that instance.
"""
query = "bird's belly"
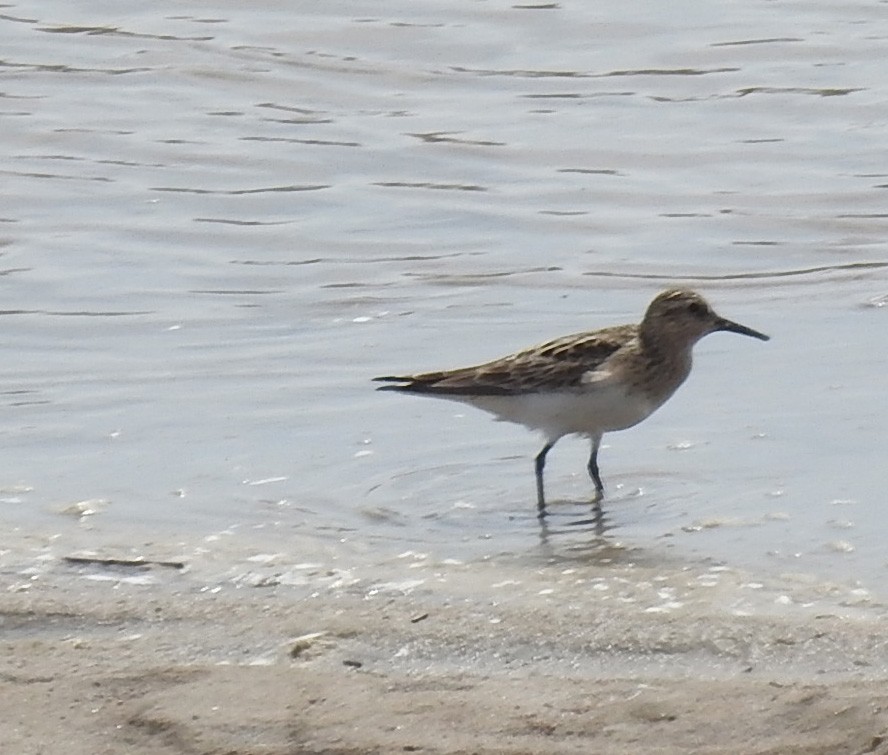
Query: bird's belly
(565, 412)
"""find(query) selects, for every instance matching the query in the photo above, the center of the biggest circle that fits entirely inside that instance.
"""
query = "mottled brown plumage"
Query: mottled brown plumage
(551, 366)
(587, 383)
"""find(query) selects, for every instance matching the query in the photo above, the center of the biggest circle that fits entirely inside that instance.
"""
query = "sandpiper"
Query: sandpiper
(588, 383)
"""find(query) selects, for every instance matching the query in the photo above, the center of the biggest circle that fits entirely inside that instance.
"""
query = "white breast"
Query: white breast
(587, 412)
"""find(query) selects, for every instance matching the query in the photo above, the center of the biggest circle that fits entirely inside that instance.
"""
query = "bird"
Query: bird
(588, 383)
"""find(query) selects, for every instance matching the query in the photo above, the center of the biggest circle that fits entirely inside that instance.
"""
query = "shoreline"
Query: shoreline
(608, 657)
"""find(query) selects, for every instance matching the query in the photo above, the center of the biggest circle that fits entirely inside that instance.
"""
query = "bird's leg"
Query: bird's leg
(593, 469)
(539, 466)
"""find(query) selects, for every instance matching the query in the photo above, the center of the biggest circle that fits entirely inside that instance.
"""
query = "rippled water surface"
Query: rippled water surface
(219, 220)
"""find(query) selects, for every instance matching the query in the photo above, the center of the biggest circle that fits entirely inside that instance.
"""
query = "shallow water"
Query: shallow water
(217, 226)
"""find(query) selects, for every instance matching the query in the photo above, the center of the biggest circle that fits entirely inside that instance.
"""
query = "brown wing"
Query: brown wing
(552, 365)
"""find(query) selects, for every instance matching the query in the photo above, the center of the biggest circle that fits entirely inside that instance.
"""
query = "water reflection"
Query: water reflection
(597, 524)
(588, 539)
(584, 525)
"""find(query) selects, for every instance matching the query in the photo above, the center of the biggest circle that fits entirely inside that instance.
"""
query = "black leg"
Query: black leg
(593, 469)
(539, 466)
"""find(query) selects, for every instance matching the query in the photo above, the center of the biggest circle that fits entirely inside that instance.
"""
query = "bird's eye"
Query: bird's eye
(696, 308)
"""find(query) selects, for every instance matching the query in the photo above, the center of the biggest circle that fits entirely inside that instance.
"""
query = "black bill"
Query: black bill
(735, 327)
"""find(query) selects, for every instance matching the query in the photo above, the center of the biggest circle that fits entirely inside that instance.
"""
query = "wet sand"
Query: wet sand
(605, 658)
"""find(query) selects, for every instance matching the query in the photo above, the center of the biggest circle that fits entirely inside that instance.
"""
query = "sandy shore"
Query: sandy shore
(450, 659)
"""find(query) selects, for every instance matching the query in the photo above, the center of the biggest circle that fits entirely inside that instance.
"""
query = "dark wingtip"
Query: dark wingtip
(403, 383)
